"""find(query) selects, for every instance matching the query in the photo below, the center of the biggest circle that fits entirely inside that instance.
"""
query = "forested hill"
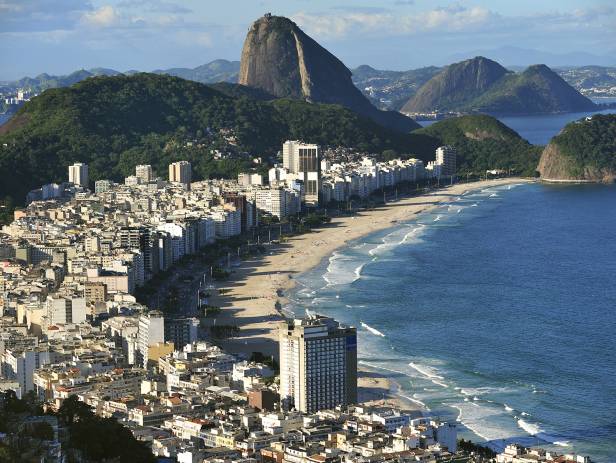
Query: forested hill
(484, 143)
(115, 123)
(584, 150)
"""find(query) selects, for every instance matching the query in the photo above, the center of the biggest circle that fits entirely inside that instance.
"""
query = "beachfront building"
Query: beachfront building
(303, 163)
(318, 364)
(446, 158)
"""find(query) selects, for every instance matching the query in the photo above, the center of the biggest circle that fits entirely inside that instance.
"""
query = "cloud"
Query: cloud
(160, 6)
(40, 15)
(450, 19)
(105, 16)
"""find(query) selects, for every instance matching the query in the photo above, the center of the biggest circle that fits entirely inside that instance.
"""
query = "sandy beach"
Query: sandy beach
(256, 285)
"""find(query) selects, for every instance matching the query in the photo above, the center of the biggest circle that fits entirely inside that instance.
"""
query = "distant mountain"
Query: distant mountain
(391, 89)
(536, 90)
(484, 143)
(585, 150)
(456, 86)
(115, 123)
(45, 81)
(219, 70)
(482, 85)
(279, 58)
(523, 57)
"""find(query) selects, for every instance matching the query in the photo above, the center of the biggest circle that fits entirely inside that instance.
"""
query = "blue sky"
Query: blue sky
(59, 36)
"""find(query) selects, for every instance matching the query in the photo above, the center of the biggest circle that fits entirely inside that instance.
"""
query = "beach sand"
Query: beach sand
(258, 283)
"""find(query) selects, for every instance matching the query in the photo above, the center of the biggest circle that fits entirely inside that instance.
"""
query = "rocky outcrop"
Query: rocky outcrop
(279, 58)
(456, 85)
(557, 167)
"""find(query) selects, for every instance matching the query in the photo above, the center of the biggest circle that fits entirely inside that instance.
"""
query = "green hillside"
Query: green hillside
(482, 85)
(584, 150)
(115, 123)
(484, 143)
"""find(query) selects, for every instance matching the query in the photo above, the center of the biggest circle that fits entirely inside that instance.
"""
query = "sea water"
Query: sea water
(497, 309)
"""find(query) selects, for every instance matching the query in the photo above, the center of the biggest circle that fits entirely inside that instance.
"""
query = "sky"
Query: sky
(60, 36)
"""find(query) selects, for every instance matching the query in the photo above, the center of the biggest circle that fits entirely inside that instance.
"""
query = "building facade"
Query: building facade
(318, 364)
(78, 174)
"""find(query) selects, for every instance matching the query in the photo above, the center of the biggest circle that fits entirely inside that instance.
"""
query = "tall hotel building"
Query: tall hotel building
(78, 174)
(303, 160)
(446, 158)
(318, 364)
(180, 172)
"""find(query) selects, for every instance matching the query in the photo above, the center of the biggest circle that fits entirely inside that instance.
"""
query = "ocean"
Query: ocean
(539, 129)
(497, 309)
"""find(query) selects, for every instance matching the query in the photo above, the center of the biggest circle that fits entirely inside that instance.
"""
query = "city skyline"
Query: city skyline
(126, 34)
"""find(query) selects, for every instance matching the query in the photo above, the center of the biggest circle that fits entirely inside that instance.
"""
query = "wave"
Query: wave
(372, 330)
(338, 270)
(535, 430)
(378, 367)
(508, 408)
(430, 373)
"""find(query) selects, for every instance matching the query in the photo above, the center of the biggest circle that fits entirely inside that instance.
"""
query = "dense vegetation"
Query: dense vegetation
(589, 143)
(115, 123)
(536, 90)
(85, 436)
(484, 143)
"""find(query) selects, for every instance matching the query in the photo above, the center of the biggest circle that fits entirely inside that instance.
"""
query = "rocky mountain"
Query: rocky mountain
(456, 86)
(585, 150)
(482, 85)
(536, 90)
(279, 58)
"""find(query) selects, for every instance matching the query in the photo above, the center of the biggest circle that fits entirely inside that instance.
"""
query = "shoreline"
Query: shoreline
(260, 282)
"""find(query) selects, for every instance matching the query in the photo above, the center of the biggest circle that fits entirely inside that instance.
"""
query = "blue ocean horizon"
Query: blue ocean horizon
(495, 309)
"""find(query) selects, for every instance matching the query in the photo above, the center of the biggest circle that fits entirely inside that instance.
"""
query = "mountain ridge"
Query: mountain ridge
(281, 59)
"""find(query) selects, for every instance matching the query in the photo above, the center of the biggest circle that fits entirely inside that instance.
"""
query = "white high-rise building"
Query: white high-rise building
(63, 310)
(303, 160)
(180, 172)
(78, 174)
(318, 364)
(446, 158)
(151, 331)
(144, 173)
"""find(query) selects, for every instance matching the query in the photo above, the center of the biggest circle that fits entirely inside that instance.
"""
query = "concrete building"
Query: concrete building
(318, 364)
(181, 331)
(180, 172)
(63, 310)
(78, 174)
(303, 160)
(144, 173)
(446, 158)
(151, 333)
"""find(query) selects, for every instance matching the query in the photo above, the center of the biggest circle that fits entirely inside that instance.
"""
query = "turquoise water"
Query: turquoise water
(497, 309)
